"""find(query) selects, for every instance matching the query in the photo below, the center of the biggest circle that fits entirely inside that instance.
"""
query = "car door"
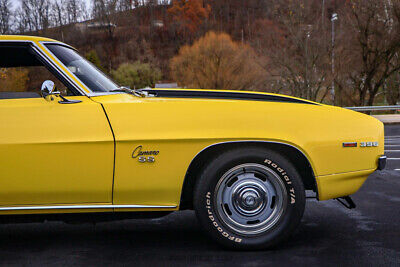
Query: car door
(51, 153)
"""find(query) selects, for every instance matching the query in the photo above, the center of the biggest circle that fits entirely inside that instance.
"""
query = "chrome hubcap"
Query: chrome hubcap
(250, 198)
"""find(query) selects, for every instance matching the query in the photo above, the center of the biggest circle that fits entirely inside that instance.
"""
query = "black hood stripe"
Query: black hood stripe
(223, 95)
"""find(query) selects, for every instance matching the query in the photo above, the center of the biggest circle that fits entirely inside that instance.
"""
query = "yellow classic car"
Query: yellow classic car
(76, 146)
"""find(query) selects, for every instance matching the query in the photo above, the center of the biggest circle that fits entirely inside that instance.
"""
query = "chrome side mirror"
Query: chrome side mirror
(49, 93)
(49, 90)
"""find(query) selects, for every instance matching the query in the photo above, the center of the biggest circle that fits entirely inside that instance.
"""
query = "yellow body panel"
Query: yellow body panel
(181, 128)
(53, 153)
(64, 154)
(341, 184)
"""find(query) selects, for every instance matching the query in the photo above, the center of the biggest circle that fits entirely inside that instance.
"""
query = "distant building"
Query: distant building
(90, 25)
(100, 25)
(157, 23)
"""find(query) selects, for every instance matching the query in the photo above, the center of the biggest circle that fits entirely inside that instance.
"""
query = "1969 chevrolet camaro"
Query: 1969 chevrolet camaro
(75, 146)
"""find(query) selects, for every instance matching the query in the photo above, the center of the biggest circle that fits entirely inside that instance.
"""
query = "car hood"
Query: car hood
(223, 94)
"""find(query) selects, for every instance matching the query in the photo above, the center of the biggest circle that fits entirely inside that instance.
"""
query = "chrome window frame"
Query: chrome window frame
(90, 93)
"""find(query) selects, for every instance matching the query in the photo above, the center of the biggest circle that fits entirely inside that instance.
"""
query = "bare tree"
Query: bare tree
(59, 12)
(20, 21)
(105, 12)
(295, 48)
(34, 15)
(124, 5)
(373, 39)
(5, 14)
(84, 12)
(76, 9)
(392, 86)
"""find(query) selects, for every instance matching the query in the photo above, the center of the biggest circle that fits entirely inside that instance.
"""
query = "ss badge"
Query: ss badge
(148, 159)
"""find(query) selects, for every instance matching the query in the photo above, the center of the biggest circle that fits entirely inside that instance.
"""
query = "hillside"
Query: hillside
(298, 48)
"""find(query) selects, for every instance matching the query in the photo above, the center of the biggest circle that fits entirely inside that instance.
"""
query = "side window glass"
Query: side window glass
(22, 74)
(28, 79)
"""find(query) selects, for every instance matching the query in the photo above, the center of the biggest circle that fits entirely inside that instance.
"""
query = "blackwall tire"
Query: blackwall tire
(249, 198)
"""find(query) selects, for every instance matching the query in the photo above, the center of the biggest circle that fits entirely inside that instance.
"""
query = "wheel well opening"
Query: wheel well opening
(296, 157)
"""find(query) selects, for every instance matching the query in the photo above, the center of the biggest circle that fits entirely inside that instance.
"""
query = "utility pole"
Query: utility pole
(323, 15)
(308, 34)
(333, 19)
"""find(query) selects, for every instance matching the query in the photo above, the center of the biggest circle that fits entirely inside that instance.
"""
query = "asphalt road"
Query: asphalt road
(329, 235)
(392, 147)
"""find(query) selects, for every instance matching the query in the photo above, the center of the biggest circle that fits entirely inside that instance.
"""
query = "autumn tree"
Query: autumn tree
(188, 15)
(5, 14)
(216, 62)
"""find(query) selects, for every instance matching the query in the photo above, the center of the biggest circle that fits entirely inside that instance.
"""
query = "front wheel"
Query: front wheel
(249, 198)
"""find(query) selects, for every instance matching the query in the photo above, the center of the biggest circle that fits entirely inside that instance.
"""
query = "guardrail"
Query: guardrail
(375, 108)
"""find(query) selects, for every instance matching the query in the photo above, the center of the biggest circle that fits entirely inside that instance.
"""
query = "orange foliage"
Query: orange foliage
(189, 14)
(216, 62)
(13, 79)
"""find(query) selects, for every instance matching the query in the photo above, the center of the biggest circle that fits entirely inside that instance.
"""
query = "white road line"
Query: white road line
(391, 145)
(393, 158)
(392, 150)
(394, 136)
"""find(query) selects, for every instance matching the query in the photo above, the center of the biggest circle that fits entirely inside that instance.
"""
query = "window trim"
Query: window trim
(89, 92)
(65, 78)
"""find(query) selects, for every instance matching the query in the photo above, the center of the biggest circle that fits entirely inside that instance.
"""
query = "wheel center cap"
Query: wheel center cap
(250, 200)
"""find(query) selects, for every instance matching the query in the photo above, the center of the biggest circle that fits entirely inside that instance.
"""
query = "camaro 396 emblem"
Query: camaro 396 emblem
(144, 155)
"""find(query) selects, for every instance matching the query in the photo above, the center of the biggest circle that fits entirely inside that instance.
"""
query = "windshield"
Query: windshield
(87, 73)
